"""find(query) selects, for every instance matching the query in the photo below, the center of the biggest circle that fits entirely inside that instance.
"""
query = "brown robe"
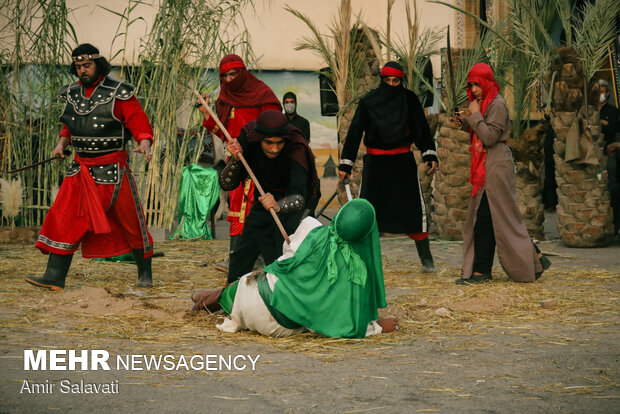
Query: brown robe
(514, 247)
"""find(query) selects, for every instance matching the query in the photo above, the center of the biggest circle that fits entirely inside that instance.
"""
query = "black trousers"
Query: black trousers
(614, 192)
(484, 239)
(613, 162)
(260, 236)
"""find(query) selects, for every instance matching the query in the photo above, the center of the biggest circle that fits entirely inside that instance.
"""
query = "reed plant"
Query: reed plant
(414, 50)
(342, 50)
(35, 42)
(186, 40)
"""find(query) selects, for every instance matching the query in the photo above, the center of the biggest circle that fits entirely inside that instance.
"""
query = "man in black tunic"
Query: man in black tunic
(391, 118)
(284, 166)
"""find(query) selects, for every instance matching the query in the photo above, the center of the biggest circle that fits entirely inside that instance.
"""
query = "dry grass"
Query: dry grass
(101, 302)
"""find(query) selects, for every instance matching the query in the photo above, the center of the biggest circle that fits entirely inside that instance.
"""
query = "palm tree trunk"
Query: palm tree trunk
(452, 189)
(584, 213)
(529, 162)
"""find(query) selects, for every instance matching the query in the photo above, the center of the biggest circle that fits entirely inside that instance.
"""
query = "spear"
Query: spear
(57, 156)
(451, 83)
(243, 161)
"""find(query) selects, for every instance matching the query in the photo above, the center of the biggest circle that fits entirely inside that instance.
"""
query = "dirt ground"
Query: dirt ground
(549, 346)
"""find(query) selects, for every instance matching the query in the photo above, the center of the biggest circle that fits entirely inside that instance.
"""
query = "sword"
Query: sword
(451, 83)
(320, 212)
(347, 188)
(346, 182)
(66, 152)
(217, 90)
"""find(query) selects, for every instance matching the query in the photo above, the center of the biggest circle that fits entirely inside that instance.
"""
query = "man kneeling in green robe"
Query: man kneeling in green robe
(329, 280)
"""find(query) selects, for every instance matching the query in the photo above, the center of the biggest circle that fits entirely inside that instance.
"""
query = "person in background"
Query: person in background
(610, 121)
(290, 109)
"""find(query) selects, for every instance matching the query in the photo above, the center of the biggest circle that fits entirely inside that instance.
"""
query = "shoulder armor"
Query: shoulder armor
(63, 90)
(122, 90)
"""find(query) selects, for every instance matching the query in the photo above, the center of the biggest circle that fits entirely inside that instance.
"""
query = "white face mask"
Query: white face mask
(289, 108)
(602, 98)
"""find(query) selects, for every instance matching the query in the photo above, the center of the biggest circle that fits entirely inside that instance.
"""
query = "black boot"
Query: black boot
(55, 273)
(234, 243)
(145, 274)
(426, 258)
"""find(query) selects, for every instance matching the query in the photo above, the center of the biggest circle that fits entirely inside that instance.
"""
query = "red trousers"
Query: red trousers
(241, 200)
(66, 225)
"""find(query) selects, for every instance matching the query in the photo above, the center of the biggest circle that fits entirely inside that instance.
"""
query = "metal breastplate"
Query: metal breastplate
(94, 129)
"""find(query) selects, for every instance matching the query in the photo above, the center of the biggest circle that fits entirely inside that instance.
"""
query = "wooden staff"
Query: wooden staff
(244, 162)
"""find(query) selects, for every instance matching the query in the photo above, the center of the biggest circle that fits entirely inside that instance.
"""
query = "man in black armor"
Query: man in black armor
(97, 205)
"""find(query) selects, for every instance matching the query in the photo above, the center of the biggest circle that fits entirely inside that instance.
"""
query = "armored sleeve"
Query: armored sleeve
(291, 203)
(232, 175)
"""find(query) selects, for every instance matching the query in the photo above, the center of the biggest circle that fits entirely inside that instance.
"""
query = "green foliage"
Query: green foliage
(594, 29)
(342, 50)
(493, 48)
(531, 22)
(414, 52)
(518, 49)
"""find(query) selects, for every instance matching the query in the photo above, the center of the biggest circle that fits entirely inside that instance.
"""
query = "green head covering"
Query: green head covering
(354, 221)
(334, 282)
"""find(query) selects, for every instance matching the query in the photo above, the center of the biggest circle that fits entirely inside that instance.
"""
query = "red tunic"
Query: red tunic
(106, 219)
(241, 198)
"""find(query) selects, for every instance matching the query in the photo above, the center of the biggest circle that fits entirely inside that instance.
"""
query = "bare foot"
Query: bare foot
(388, 325)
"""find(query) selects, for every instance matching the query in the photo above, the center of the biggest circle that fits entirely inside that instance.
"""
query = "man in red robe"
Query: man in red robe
(242, 98)
(97, 204)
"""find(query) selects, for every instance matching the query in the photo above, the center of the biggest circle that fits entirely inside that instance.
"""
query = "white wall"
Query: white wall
(274, 31)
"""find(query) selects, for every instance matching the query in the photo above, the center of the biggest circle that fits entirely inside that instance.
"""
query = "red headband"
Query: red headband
(389, 71)
(235, 64)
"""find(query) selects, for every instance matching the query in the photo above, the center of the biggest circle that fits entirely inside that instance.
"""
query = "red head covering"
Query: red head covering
(482, 74)
(231, 62)
(244, 91)
(392, 69)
